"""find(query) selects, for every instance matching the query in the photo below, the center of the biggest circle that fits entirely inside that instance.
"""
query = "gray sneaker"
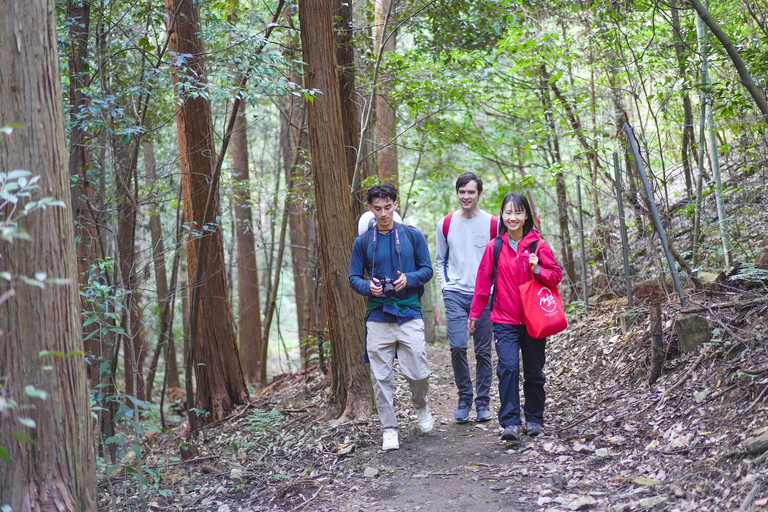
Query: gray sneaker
(462, 411)
(511, 433)
(483, 413)
(534, 429)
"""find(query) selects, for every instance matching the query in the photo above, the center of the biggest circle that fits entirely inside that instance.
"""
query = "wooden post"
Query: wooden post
(657, 342)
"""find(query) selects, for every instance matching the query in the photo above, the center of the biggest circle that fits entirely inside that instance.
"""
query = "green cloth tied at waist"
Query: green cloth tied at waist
(401, 309)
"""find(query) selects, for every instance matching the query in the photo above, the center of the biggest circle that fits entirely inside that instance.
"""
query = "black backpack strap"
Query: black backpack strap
(408, 233)
(497, 243)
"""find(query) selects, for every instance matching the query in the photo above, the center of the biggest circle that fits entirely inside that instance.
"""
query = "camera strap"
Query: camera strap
(398, 247)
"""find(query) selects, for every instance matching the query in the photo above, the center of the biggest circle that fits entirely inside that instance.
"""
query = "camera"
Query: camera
(387, 286)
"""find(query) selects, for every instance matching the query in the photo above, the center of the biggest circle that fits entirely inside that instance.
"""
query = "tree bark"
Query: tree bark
(133, 337)
(302, 224)
(350, 104)
(733, 53)
(57, 471)
(218, 374)
(350, 384)
(164, 295)
(249, 312)
(386, 119)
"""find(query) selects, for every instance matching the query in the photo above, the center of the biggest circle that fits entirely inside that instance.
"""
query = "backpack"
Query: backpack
(407, 229)
(497, 243)
(447, 224)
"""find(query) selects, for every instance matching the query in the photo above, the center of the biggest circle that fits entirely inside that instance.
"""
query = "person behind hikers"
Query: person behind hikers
(505, 265)
(396, 260)
(461, 240)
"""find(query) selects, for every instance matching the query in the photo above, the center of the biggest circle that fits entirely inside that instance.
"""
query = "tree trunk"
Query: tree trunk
(350, 104)
(249, 312)
(688, 136)
(133, 337)
(733, 53)
(350, 384)
(566, 250)
(56, 471)
(79, 19)
(164, 295)
(301, 219)
(218, 374)
(714, 158)
(386, 120)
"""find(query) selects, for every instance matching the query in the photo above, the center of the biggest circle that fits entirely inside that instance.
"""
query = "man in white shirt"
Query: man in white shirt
(461, 240)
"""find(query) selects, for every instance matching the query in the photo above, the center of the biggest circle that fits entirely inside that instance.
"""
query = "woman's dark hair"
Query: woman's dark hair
(383, 191)
(466, 178)
(520, 203)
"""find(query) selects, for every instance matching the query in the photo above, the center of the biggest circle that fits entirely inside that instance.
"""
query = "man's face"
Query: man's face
(469, 195)
(383, 210)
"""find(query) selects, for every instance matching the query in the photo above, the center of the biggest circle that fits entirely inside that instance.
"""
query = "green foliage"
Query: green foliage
(260, 420)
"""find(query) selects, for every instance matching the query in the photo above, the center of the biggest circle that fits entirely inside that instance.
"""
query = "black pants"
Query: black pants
(510, 341)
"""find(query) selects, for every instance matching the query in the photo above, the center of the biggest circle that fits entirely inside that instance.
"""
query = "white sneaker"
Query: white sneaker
(426, 421)
(390, 441)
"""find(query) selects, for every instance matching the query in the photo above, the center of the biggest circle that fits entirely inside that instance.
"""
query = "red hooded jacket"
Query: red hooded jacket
(513, 270)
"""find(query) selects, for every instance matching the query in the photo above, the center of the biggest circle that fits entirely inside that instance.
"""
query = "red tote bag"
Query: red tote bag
(542, 308)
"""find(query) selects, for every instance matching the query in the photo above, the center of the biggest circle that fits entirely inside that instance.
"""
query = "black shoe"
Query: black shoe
(534, 429)
(511, 433)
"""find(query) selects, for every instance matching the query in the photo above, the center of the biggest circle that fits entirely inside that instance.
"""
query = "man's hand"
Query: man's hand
(401, 282)
(375, 287)
(534, 261)
(470, 325)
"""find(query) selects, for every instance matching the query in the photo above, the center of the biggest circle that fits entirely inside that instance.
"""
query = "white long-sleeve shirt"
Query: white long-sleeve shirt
(464, 246)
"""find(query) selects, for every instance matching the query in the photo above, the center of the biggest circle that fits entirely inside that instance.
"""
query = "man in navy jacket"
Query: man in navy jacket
(390, 265)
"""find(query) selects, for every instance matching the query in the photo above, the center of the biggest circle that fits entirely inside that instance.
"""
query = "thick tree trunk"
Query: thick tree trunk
(57, 470)
(350, 385)
(249, 312)
(350, 103)
(133, 338)
(386, 119)
(218, 374)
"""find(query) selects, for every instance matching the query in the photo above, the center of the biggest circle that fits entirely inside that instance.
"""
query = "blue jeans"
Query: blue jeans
(457, 312)
(510, 341)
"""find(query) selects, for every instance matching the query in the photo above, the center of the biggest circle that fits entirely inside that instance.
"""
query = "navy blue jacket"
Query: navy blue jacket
(387, 264)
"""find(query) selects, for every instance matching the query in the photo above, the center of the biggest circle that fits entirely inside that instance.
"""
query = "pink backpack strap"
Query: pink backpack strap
(494, 226)
(447, 224)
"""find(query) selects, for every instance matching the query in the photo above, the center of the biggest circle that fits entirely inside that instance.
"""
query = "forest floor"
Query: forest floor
(612, 442)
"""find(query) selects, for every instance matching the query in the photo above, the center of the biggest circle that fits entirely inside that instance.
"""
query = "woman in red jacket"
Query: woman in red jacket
(510, 335)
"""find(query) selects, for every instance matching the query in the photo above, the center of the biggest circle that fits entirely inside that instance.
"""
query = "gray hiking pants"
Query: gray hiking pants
(456, 313)
(384, 339)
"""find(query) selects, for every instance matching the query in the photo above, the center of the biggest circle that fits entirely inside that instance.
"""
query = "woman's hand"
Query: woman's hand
(470, 325)
(534, 261)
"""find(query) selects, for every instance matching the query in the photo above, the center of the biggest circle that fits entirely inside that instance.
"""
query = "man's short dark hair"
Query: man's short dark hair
(383, 191)
(466, 178)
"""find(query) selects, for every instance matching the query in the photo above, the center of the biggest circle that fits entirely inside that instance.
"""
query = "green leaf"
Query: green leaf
(22, 438)
(136, 450)
(91, 319)
(140, 403)
(33, 392)
(28, 422)
(5, 457)
(54, 353)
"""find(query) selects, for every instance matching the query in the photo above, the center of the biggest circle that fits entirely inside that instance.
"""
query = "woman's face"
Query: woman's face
(514, 218)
